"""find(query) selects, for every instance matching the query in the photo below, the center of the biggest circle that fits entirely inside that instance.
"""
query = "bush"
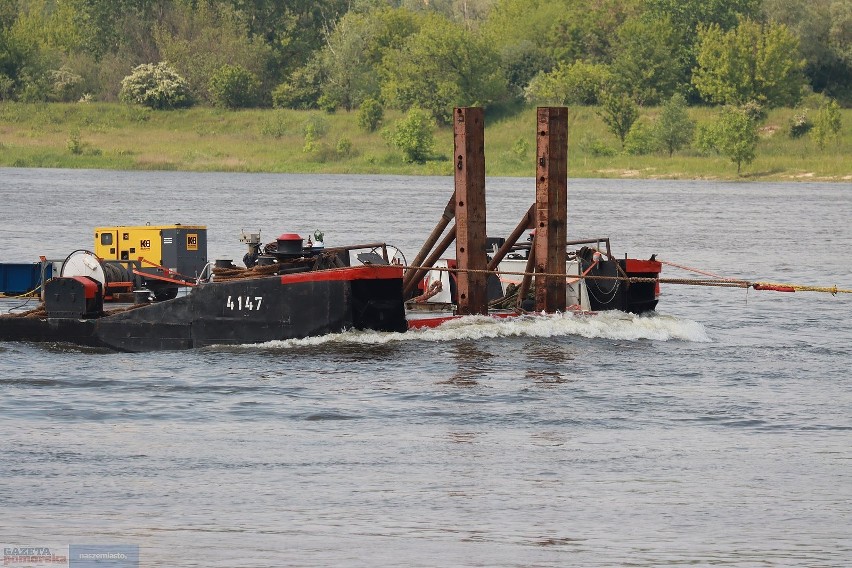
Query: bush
(800, 124)
(316, 125)
(641, 139)
(7, 87)
(674, 129)
(585, 81)
(157, 86)
(66, 84)
(521, 148)
(370, 115)
(275, 126)
(619, 112)
(301, 91)
(578, 83)
(74, 143)
(827, 123)
(413, 135)
(233, 86)
(343, 148)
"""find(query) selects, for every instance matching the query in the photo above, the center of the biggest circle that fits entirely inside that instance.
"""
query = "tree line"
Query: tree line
(426, 54)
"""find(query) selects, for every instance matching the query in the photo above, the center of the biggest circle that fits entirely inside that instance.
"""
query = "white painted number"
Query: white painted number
(244, 303)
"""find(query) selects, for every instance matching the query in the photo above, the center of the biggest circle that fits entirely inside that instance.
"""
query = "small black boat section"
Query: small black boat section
(240, 311)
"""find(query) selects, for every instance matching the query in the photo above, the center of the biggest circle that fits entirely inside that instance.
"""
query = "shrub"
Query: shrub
(521, 148)
(343, 148)
(827, 123)
(7, 87)
(276, 126)
(619, 112)
(316, 125)
(413, 135)
(301, 91)
(674, 129)
(74, 143)
(800, 124)
(66, 84)
(370, 115)
(233, 86)
(585, 81)
(641, 139)
(157, 86)
(578, 83)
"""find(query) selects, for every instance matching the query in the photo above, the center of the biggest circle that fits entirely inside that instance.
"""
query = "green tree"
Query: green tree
(674, 129)
(748, 63)
(413, 135)
(824, 29)
(522, 62)
(349, 61)
(827, 123)
(734, 135)
(441, 67)
(618, 112)
(643, 66)
(641, 139)
(233, 86)
(579, 83)
(293, 30)
(370, 115)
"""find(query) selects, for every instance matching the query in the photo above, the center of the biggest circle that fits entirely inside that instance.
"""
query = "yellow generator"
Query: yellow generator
(164, 257)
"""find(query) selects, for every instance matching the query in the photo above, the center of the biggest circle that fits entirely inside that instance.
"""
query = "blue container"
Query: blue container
(19, 278)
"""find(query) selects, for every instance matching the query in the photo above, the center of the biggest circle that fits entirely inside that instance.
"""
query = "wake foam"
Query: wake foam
(605, 325)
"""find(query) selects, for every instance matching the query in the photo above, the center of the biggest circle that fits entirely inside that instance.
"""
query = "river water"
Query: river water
(716, 432)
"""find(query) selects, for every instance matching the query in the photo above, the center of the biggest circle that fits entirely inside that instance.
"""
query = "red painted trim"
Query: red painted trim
(632, 265)
(383, 272)
(163, 278)
(90, 289)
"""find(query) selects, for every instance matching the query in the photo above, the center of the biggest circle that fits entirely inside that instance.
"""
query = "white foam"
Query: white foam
(605, 325)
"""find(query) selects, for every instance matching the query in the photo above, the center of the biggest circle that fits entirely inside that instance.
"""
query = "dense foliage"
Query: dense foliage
(336, 54)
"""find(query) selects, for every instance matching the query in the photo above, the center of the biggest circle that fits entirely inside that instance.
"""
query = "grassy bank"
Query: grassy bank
(115, 136)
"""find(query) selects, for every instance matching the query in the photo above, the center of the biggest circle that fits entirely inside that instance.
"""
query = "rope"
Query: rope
(690, 269)
(25, 294)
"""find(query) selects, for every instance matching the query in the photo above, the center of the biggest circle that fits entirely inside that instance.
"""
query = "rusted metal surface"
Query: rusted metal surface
(524, 288)
(469, 143)
(551, 208)
(448, 215)
(430, 261)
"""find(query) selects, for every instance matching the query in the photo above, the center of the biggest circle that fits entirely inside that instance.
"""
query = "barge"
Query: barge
(292, 289)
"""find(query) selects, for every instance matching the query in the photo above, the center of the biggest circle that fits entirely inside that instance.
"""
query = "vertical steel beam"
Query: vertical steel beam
(469, 162)
(551, 196)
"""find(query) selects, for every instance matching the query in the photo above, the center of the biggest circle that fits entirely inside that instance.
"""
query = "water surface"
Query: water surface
(716, 432)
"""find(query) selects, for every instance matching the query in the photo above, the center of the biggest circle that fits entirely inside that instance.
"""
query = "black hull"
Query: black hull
(237, 312)
(610, 293)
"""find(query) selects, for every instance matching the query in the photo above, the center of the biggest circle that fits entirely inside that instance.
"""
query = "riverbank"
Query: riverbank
(116, 136)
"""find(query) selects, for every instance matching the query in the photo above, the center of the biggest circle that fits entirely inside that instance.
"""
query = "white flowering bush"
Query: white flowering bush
(156, 85)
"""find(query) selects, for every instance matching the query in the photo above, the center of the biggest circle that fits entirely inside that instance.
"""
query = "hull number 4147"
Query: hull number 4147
(244, 303)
